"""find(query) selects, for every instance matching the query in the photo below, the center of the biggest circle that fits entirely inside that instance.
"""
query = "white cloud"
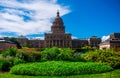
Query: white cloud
(105, 38)
(28, 16)
(73, 37)
(39, 38)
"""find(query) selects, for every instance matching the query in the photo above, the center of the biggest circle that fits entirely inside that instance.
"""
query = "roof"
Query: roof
(115, 35)
(106, 42)
(2, 40)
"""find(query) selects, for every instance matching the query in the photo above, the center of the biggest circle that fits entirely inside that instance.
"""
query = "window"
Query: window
(68, 36)
(47, 36)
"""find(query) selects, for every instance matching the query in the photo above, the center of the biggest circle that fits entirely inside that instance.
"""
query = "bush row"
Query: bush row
(17, 56)
(59, 68)
(26, 54)
(109, 57)
(64, 54)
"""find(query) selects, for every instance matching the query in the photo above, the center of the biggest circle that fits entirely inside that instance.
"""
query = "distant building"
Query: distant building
(78, 43)
(115, 41)
(105, 45)
(6, 44)
(112, 42)
(36, 43)
(22, 40)
(94, 41)
(115, 36)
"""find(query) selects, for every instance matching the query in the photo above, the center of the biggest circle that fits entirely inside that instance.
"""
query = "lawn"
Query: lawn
(112, 74)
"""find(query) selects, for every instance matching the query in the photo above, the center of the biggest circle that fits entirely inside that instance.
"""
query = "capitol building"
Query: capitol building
(59, 38)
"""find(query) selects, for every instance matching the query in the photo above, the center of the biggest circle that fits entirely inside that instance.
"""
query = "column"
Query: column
(59, 44)
(63, 43)
(52, 43)
(55, 42)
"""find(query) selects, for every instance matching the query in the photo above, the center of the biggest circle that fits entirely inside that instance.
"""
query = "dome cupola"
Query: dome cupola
(58, 25)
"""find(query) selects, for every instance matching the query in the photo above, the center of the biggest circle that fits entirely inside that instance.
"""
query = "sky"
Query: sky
(82, 18)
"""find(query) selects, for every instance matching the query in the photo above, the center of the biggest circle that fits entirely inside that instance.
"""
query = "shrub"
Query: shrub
(40, 49)
(4, 64)
(29, 55)
(9, 52)
(12, 51)
(5, 53)
(18, 61)
(108, 57)
(65, 54)
(50, 53)
(59, 68)
(55, 53)
(24, 54)
(78, 57)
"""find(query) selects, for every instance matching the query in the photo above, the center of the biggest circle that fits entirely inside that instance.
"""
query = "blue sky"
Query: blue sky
(92, 17)
(82, 18)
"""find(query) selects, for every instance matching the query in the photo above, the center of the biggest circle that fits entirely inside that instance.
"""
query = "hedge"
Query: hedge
(59, 68)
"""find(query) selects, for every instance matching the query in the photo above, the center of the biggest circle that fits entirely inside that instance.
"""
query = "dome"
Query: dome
(58, 21)
(58, 25)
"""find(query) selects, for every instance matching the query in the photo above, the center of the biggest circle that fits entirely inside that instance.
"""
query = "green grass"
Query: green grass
(112, 74)
(59, 68)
